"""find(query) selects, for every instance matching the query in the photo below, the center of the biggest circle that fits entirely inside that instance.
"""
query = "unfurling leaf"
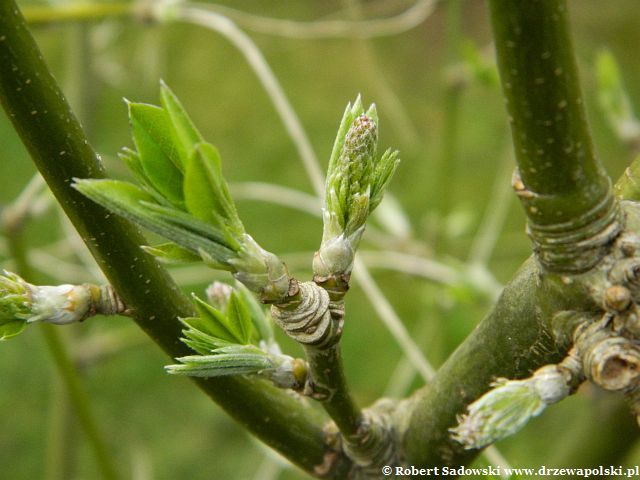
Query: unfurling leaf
(206, 193)
(186, 132)
(240, 318)
(221, 364)
(236, 341)
(171, 253)
(133, 203)
(356, 180)
(259, 317)
(155, 143)
(216, 323)
(183, 197)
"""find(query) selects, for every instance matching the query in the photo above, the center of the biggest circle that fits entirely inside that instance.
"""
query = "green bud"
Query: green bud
(60, 304)
(22, 303)
(508, 407)
(350, 181)
(261, 271)
(499, 413)
(15, 305)
(218, 294)
(355, 183)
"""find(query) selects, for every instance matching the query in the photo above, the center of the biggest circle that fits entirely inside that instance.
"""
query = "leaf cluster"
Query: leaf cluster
(181, 193)
(15, 305)
(228, 339)
(356, 178)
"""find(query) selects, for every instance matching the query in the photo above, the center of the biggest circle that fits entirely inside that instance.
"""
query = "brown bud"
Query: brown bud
(617, 298)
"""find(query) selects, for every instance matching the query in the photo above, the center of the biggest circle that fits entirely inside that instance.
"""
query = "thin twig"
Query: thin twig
(378, 27)
(33, 200)
(391, 320)
(278, 194)
(495, 215)
(411, 264)
(197, 15)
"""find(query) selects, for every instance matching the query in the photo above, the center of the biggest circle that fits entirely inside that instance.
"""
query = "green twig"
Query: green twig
(565, 192)
(81, 402)
(330, 382)
(572, 217)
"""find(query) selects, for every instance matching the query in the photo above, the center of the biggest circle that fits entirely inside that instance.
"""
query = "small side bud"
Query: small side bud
(15, 305)
(218, 294)
(507, 408)
(60, 304)
(261, 272)
(22, 303)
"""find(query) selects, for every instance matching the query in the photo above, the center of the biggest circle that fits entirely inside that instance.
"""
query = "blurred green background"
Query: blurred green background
(447, 119)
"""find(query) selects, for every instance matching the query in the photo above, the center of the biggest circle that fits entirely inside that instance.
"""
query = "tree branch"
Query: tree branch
(562, 185)
(511, 341)
(572, 216)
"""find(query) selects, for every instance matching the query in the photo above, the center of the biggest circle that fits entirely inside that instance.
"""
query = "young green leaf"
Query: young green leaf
(349, 115)
(132, 160)
(15, 305)
(155, 123)
(171, 253)
(198, 340)
(258, 314)
(159, 156)
(382, 174)
(133, 203)
(239, 318)
(221, 364)
(213, 322)
(205, 190)
(11, 329)
(192, 224)
(185, 131)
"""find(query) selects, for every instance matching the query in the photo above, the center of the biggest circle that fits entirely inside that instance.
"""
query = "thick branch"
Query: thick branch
(513, 340)
(572, 219)
(564, 189)
(61, 151)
